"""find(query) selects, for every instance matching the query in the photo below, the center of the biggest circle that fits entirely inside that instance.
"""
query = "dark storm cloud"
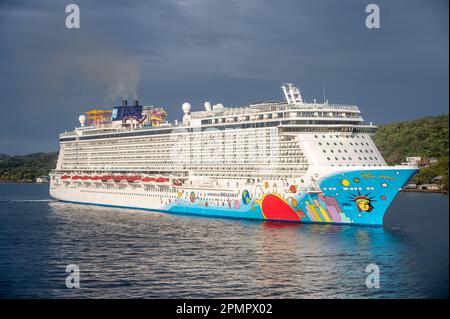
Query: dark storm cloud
(235, 52)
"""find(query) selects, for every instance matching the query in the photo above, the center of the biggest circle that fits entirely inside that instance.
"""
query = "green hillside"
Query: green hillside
(425, 137)
(26, 167)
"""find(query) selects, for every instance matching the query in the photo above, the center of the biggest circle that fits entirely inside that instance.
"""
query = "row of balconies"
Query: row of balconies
(168, 145)
(191, 166)
(188, 161)
(220, 152)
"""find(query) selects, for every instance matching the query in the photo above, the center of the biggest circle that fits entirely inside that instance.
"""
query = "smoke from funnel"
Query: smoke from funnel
(103, 69)
(124, 81)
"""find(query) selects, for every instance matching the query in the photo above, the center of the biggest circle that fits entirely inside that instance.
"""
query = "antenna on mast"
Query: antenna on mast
(324, 93)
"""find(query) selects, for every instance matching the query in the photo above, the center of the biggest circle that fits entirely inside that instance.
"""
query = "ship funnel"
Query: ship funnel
(124, 102)
(136, 103)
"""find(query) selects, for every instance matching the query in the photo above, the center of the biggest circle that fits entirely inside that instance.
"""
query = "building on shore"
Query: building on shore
(429, 187)
(413, 161)
(437, 179)
(421, 162)
(427, 162)
(43, 179)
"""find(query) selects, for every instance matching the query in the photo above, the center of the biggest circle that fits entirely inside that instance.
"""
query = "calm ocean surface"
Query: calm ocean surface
(136, 254)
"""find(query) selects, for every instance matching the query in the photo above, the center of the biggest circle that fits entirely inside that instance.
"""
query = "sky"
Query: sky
(234, 52)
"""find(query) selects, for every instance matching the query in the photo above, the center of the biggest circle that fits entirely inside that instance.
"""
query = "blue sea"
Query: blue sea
(136, 254)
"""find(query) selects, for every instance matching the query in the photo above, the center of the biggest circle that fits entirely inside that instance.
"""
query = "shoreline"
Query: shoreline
(423, 191)
(13, 182)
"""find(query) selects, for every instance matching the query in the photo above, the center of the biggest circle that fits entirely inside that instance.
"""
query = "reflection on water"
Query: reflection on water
(128, 253)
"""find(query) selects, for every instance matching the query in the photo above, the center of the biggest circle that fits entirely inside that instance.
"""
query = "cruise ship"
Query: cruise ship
(289, 161)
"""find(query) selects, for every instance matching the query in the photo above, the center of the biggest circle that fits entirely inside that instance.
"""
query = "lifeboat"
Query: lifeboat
(119, 178)
(132, 179)
(161, 180)
(147, 179)
(75, 177)
(97, 178)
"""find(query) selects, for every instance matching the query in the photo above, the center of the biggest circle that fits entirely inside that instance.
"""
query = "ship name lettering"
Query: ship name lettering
(367, 175)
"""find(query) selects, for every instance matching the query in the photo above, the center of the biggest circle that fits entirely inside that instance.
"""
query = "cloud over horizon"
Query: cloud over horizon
(166, 52)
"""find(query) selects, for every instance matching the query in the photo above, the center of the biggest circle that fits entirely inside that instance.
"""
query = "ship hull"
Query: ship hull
(357, 197)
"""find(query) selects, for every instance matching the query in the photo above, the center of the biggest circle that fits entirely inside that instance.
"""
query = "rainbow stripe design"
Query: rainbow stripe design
(351, 197)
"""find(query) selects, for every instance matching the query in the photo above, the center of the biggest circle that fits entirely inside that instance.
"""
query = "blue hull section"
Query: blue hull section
(351, 197)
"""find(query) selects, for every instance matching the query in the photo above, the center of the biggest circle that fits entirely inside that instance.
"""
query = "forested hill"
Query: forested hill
(425, 137)
(26, 167)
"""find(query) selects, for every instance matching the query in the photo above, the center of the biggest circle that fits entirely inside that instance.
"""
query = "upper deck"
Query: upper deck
(294, 113)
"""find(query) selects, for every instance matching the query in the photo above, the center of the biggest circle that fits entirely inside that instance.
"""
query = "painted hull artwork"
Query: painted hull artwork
(355, 197)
